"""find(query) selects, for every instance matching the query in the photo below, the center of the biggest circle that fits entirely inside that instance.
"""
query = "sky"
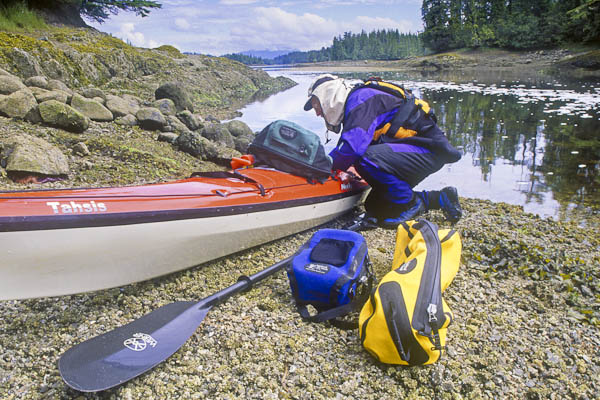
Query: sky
(219, 27)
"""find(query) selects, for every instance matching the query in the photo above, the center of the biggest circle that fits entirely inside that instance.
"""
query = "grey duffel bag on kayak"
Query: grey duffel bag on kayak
(288, 147)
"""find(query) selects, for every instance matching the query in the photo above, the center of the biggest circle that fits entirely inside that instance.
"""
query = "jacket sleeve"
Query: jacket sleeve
(366, 109)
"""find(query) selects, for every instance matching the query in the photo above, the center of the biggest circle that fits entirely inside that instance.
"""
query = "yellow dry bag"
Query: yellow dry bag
(405, 319)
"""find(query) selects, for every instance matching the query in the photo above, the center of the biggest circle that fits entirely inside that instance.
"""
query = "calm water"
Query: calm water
(527, 140)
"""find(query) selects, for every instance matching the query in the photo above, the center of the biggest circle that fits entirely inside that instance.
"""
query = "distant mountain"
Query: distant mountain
(265, 54)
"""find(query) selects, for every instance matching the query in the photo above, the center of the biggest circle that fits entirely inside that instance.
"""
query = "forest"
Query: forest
(377, 45)
(509, 24)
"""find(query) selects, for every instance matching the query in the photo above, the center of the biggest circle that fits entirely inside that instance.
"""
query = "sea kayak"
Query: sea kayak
(67, 241)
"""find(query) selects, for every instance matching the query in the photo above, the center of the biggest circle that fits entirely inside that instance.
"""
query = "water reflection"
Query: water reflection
(527, 140)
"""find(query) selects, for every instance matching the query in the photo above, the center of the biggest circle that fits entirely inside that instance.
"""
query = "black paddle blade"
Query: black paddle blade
(117, 356)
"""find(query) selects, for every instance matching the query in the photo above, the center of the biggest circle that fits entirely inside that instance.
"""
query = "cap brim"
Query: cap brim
(308, 105)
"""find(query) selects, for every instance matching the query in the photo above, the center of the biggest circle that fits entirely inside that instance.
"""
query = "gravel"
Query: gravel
(524, 327)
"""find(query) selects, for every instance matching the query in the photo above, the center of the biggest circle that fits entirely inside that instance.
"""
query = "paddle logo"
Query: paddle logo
(139, 342)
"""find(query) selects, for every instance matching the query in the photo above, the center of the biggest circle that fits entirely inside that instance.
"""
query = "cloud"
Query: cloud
(229, 26)
(128, 34)
(237, 2)
(182, 24)
(273, 28)
(373, 23)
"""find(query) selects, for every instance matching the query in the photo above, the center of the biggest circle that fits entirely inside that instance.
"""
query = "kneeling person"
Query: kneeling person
(392, 140)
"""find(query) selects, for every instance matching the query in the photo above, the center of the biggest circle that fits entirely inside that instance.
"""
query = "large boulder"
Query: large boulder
(10, 84)
(19, 104)
(27, 154)
(63, 116)
(166, 106)
(25, 63)
(218, 133)
(38, 91)
(46, 95)
(168, 137)
(150, 118)
(37, 81)
(56, 70)
(55, 84)
(222, 155)
(93, 92)
(200, 147)
(195, 144)
(242, 143)
(121, 106)
(91, 108)
(242, 134)
(189, 119)
(175, 125)
(238, 128)
(178, 93)
(126, 120)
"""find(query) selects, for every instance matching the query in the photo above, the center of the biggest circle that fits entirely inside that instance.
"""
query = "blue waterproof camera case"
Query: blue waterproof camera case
(328, 273)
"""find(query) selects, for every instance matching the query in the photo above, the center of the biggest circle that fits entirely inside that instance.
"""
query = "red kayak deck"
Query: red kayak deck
(221, 193)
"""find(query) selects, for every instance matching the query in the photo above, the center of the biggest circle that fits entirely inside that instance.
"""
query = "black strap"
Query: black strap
(436, 340)
(405, 116)
(226, 174)
(358, 301)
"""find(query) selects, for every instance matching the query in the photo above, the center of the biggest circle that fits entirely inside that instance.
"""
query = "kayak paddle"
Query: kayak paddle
(120, 355)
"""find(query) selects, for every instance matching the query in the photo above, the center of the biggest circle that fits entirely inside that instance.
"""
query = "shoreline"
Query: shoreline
(556, 61)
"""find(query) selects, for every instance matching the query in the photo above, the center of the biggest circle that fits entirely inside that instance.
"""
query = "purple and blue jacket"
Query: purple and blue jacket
(368, 109)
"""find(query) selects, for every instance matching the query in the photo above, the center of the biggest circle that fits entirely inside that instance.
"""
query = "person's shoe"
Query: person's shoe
(417, 208)
(369, 222)
(449, 204)
(363, 222)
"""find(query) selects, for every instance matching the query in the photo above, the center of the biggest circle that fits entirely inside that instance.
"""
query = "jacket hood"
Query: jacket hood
(332, 93)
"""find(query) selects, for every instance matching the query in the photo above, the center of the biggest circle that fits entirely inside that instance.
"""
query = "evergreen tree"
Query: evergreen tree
(436, 35)
(586, 16)
(98, 10)
(246, 59)
(512, 24)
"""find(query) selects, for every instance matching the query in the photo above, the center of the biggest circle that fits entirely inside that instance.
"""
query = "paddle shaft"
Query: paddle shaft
(243, 283)
(246, 282)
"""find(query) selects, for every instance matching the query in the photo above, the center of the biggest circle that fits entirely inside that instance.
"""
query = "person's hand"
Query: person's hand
(342, 175)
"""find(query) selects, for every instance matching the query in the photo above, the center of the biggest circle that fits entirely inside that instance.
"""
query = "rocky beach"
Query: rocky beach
(94, 111)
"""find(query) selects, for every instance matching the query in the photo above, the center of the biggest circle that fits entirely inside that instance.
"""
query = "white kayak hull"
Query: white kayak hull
(54, 262)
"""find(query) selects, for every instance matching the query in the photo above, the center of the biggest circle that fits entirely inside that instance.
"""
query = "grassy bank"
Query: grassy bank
(18, 18)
